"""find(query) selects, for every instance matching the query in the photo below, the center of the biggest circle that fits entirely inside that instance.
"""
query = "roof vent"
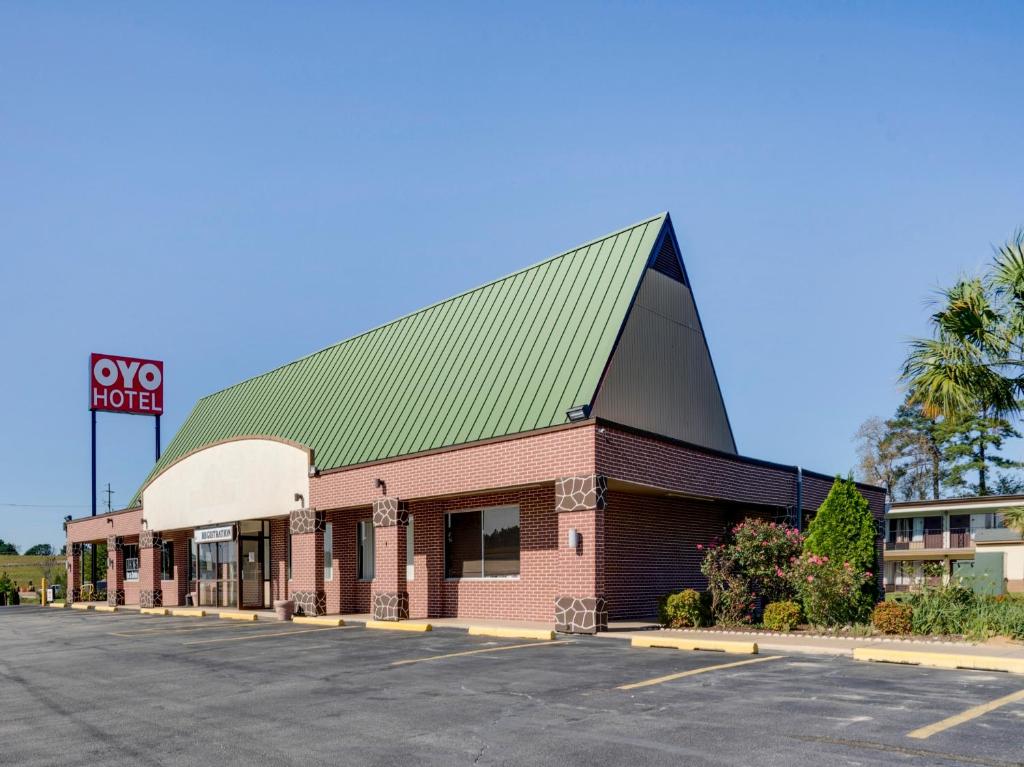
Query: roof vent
(667, 261)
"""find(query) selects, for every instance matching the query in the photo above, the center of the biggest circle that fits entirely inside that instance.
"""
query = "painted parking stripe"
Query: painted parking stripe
(972, 713)
(260, 635)
(482, 650)
(695, 671)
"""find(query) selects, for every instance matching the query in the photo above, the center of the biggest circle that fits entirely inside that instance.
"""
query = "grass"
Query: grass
(22, 569)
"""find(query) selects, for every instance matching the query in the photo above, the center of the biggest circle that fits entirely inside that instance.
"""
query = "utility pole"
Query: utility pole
(109, 493)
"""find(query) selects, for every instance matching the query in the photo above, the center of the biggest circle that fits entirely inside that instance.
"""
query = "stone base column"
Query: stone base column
(74, 563)
(390, 591)
(115, 570)
(306, 527)
(150, 560)
(580, 606)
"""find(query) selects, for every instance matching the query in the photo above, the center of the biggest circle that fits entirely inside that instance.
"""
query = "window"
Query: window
(329, 552)
(409, 549)
(192, 560)
(482, 544)
(131, 561)
(364, 543)
(167, 561)
(289, 555)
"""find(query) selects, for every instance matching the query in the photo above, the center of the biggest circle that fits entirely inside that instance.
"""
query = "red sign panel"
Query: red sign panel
(126, 384)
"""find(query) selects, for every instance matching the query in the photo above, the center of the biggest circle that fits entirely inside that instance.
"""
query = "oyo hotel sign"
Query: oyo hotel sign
(126, 384)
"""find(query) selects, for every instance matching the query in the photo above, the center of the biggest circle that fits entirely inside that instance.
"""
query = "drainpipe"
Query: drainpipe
(799, 516)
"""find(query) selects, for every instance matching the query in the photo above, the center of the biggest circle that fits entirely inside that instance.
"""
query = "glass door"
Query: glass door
(218, 574)
(252, 571)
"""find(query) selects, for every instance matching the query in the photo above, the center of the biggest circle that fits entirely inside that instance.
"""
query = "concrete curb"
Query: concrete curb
(83, 606)
(105, 609)
(189, 613)
(510, 633)
(58, 605)
(398, 626)
(739, 648)
(230, 616)
(940, 659)
(154, 611)
(309, 620)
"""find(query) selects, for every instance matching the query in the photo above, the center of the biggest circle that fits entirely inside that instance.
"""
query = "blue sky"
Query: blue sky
(227, 187)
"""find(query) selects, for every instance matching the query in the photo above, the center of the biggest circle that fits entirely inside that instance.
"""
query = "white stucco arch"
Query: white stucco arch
(248, 478)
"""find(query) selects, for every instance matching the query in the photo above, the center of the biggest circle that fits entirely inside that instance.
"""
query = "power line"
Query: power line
(46, 505)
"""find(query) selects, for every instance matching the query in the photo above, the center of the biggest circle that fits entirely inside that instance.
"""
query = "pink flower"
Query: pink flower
(700, 547)
(868, 573)
(810, 579)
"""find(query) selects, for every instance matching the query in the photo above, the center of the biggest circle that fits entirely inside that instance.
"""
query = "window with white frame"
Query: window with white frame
(328, 552)
(364, 544)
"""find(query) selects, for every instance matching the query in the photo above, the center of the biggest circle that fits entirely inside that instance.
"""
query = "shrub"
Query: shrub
(762, 551)
(956, 610)
(892, 618)
(732, 602)
(831, 592)
(782, 616)
(686, 609)
(844, 530)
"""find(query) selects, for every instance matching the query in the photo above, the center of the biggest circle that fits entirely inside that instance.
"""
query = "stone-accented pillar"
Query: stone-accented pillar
(74, 555)
(115, 570)
(390, 592)
(580, 605)
(306, 527)
(151, 546)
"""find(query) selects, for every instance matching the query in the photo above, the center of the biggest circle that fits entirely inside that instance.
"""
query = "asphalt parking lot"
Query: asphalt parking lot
(85, 688)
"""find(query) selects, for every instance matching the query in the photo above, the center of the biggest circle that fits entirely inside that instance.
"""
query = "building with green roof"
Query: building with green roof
(517, 442)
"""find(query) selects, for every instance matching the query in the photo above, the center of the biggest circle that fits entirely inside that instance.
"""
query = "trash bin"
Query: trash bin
(284, 609)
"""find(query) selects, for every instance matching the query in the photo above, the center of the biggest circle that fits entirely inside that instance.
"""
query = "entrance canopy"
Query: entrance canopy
(248, 478)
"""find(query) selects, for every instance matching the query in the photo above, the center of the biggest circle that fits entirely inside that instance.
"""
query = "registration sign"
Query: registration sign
(215, 534)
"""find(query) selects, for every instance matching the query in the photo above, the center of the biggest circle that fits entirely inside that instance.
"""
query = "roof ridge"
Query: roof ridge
(562, 254)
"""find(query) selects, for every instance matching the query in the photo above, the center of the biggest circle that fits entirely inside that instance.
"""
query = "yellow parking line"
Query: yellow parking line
(260, 635)
(485, 649)
(972, 713)
(693, 672)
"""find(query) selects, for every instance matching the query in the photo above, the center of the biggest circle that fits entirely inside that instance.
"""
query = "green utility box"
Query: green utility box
(984, 575)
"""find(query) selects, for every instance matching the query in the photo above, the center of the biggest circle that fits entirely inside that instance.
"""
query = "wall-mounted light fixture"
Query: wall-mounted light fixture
(578, 413)
(573, 538)
(145, 522)
(300, 498)
(313, 471)
(381, 485)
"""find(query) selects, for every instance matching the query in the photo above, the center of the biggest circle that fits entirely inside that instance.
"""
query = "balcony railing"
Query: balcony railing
(959, 538)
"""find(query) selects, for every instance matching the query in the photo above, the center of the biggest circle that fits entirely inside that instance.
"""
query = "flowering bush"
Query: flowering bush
(762, 551)
(832, 592)
(732, 602)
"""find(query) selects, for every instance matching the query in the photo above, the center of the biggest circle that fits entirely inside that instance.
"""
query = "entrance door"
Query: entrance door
(218, 565)
(252, 571)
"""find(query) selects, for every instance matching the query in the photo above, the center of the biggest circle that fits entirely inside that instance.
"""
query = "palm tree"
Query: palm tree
(1013, 518)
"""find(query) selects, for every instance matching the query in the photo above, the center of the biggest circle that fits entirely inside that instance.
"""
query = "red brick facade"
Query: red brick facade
(637, 539)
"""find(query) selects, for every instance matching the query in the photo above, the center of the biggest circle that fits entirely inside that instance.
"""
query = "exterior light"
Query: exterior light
(574, 538)
(578, 413)
(313, 470)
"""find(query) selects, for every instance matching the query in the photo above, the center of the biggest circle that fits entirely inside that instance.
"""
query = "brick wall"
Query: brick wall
(540, 457)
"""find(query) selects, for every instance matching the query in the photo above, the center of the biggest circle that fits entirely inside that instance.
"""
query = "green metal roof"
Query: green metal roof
(510, 356)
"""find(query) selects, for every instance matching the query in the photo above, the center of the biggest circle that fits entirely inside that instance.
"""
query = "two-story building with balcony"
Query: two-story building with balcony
(929, 542)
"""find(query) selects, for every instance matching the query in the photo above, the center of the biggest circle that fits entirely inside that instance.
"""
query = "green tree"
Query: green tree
(7, 548)
(843, 528)
(972, 447)
(920, 439)
(1013, 518)
(40, 550)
